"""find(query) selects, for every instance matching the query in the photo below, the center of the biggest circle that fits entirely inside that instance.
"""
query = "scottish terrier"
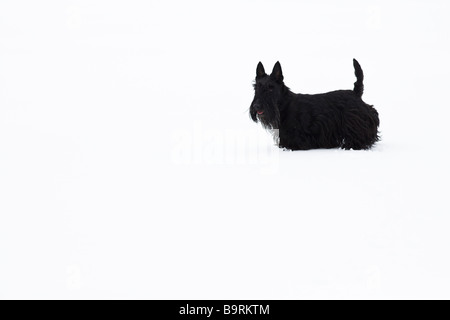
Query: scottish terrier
(338, 119)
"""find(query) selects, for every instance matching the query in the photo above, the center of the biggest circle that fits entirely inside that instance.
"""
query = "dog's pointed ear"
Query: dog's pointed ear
(260, 72)
(277, 73)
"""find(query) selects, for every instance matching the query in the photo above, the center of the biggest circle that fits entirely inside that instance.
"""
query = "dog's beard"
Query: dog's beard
(270, 119)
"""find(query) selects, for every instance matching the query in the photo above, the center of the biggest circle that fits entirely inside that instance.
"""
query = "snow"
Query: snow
(129, 167)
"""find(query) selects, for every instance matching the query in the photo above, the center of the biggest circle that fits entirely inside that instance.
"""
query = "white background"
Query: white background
(129, 167)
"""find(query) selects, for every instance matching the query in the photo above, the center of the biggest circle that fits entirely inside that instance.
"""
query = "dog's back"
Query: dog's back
(329, 120)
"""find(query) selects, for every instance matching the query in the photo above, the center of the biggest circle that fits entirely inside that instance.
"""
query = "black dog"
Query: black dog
(338, 119)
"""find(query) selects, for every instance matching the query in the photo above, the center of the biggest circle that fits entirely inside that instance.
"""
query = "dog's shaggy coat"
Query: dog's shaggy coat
(338, 119)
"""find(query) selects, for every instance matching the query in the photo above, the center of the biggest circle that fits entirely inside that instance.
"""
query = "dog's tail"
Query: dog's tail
(359, 86)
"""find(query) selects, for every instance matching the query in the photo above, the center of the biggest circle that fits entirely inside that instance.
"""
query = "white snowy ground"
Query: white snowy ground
(129, 167)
